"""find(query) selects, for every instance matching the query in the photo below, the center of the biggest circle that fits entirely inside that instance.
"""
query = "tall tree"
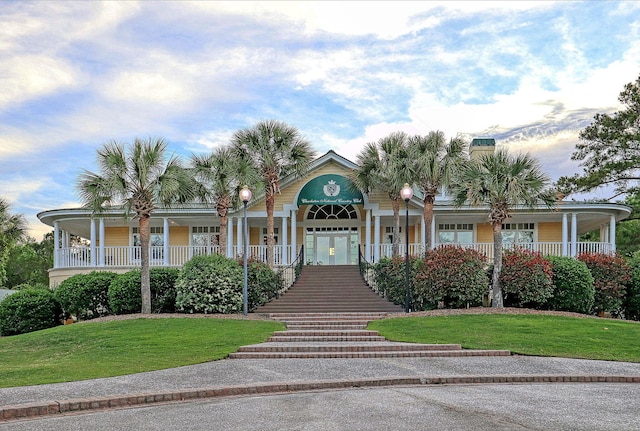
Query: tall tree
(138, 178)
(500, 182)
(609, 148)
(12, 229)
(275, 150)
(385, 166)
(221, 175)
(434, 163)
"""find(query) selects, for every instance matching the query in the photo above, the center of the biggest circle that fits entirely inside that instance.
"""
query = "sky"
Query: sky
(76, 75)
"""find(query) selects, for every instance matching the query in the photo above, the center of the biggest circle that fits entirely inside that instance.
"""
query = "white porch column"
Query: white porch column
(229, 250)
(574, 235)
(165, 233)
(376, 238)
(294, 235)
(239, 235)
(285, 242)
(93, 250)
(612, 232)
(423, 235)
(565, 235)
(56, 244)
(433, 231)
(65, 239)
(101, 256)
(367, 235)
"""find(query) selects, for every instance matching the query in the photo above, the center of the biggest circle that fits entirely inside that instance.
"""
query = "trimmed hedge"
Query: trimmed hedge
(390, 279)
(263, 283)
(29, 310)
(526, 278)
(632, 300)
(86, 296)
(573, 288)
(210, 284)
(610, 276)
(452, 275)
(125, 296)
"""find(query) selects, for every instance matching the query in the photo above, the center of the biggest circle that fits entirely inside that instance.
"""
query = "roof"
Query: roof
(483, 142)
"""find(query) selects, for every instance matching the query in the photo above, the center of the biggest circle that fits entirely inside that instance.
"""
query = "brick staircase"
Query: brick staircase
(329, 289)
(343, 335)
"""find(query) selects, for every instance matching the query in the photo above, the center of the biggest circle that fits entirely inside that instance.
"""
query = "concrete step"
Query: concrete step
(368, 354)
(372, 346)
(325, 338)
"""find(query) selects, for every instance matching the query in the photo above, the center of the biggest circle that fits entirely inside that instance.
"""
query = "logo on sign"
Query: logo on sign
(331, 189)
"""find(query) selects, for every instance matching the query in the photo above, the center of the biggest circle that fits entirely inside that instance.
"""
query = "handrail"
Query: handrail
(290, 273)
(366, 271)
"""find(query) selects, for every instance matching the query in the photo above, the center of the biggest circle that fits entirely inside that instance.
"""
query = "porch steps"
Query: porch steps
(343, 335)
(329, 289)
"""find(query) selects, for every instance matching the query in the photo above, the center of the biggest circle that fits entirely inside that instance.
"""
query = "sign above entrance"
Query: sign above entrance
(329, 189)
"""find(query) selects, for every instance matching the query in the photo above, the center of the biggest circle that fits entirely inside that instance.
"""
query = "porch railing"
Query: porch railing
(177, 256)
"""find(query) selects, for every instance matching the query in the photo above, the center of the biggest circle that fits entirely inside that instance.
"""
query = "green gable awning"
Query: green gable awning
(329, 189)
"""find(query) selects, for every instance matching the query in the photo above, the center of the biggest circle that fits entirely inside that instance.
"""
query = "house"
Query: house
(325, 214)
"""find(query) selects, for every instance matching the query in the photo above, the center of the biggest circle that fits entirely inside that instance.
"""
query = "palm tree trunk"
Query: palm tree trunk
(145, 285)
(222, 242)
(270, 203)
(427, 215)
(395, 248)
(497, 265)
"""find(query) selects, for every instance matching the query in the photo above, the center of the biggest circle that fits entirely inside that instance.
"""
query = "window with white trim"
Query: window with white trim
(388, 234)
(264, 235)
(205, 236)
(156, 242)
(518, 233)
(455, 233)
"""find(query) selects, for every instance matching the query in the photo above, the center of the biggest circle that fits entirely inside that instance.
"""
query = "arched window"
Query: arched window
(332, 212)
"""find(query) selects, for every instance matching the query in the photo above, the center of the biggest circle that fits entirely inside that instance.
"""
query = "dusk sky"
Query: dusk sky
(75, 75)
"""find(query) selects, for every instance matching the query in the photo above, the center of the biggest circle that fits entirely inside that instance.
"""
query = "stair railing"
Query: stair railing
(366, 271)
(290, 273)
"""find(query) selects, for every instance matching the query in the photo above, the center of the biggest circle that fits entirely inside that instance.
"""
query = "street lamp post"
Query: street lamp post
(407, 194)
(245, 196)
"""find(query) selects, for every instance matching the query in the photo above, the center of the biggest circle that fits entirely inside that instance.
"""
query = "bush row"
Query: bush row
(206, 284)
(454, 277)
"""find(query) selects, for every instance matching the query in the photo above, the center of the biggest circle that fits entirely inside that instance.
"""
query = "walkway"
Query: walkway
(232, 377)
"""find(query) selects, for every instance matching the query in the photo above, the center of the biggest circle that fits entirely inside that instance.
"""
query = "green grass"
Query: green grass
(93, 350)
(540, 335)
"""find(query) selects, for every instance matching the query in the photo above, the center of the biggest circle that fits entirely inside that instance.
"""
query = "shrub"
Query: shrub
(210, 284)
(452, 275)
(125, 296)
(610, 274)
(632, 300)
(29, 310)
(263, 283)
(526, 278)
(573, 288)
(86, 295)
(390, 278)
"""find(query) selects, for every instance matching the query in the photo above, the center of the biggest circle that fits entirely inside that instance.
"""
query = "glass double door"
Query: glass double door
(332, 248)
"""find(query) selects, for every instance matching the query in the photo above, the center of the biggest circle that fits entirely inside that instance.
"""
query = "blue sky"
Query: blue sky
(75, 75)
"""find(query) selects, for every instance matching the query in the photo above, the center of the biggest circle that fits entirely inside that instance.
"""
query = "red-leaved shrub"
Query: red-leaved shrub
(526, 278)
(610, 275)
(453, 275)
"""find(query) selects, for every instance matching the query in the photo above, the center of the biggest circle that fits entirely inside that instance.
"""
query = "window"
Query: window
(518, 233)
(388, 234)
(264, 235)
(156, 242)
(205, 236)
(332, 212)
(455, 233)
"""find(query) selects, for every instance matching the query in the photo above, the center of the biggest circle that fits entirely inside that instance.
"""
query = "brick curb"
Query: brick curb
(50, 408)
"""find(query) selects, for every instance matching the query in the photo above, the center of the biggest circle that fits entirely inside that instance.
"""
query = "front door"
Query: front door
(338, 247)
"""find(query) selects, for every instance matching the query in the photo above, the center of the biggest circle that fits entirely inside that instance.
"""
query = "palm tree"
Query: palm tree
(138, 179)
(434, 163)
(275, 150)
(12, 229)
(501, 182)
(221, 175)
(385, 166)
